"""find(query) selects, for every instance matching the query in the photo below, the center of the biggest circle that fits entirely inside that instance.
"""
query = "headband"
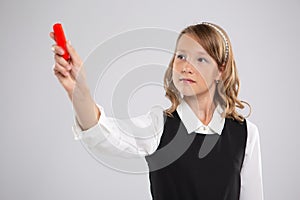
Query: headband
(223, 36)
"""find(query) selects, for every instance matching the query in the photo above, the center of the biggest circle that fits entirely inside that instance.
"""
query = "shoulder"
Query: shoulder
(252, 135)
(250, 125)
(252, 129)
(234, 124)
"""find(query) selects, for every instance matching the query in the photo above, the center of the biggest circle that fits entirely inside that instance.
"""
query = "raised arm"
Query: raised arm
(72, 77)
(126, 137)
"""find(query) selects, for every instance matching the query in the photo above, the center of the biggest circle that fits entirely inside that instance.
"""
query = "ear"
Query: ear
(220, 72)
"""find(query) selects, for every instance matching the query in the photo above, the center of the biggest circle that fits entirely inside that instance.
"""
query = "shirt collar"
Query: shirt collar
(193, 124)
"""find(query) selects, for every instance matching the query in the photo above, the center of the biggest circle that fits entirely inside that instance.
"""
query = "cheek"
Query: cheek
(176, 66)
(215, 74)
(203, 73)
(176, 70)
(208, 72)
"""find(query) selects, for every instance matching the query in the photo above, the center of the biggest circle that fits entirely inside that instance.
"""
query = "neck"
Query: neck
(202, 105)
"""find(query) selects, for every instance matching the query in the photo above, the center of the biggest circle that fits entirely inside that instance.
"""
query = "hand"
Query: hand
(67, 72)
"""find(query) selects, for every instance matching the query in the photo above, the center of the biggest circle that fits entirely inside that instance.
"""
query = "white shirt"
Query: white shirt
(108, 136)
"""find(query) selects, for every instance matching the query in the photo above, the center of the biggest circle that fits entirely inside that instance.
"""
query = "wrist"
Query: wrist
(80, 93)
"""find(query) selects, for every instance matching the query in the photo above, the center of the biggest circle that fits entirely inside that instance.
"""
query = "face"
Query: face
(194, 71)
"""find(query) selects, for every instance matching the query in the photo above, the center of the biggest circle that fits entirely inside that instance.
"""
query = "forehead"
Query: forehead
(189, 43)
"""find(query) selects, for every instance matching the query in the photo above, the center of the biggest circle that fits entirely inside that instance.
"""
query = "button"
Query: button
(203, 128)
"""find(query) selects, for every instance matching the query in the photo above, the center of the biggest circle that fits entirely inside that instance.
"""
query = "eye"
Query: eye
(202, 60)
(181, 57)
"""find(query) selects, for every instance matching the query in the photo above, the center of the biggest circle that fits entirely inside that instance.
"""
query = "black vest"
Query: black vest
(179, 170)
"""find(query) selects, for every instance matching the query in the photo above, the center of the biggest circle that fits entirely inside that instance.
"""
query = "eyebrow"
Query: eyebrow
(199, 52)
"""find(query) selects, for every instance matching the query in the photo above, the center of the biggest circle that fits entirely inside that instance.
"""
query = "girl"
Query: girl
(203, 148)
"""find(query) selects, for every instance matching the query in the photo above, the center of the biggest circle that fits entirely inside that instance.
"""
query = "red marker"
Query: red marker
(61, 39)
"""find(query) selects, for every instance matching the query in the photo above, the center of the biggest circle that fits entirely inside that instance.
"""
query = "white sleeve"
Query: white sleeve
(138, 136)
(251, 173)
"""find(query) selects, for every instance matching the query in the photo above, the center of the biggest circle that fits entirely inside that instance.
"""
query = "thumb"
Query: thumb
(74, 55)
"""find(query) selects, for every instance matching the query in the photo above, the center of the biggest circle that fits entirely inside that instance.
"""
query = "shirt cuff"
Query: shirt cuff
(94, 134)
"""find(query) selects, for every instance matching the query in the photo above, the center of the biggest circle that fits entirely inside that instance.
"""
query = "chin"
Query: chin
(187, 93)
(191, 93)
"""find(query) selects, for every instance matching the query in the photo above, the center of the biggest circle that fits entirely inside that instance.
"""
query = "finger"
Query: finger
(61, 69)
(51, 34)
(74, 56)
(58, 74)
(61, 61)
(65, 81)
(62, 79)
(57, 50)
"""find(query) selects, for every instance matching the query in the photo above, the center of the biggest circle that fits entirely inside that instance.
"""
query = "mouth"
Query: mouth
(187, 80)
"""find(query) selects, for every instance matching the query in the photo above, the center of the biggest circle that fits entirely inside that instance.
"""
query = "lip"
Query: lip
(187, 80)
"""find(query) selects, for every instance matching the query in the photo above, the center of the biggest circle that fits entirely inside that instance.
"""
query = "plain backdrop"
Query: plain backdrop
(39, 159)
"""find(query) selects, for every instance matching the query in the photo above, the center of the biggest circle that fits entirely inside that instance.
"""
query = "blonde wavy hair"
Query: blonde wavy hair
(227, 90)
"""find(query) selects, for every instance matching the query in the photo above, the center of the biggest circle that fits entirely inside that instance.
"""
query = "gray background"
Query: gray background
(39, 158)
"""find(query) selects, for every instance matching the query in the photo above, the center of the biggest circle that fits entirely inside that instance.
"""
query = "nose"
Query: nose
(187, 67)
